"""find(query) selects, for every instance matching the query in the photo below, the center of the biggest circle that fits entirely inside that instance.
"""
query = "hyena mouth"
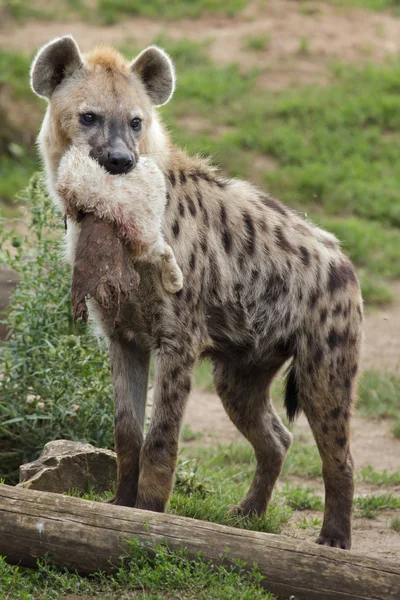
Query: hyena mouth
(115, 162)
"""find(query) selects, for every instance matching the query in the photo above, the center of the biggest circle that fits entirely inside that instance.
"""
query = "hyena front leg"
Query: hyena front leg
(162, 255)
(159, 453)
(130, 372)
(245, 396)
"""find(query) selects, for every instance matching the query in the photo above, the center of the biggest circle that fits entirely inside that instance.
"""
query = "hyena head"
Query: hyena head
(102, 102)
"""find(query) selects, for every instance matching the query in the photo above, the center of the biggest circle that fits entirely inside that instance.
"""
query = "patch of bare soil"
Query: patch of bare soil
(300, 45)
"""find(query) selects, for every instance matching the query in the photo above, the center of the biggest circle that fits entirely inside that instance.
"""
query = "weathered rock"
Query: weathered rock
(65, 465)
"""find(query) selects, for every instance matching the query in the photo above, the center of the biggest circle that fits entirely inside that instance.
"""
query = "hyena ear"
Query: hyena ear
(156, 71)
(52, 63)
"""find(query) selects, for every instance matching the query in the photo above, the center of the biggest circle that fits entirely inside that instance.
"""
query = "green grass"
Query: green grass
(380, 478)
(112, 11)
(151, 572)
(369, 4)
(20, 111)
(257, 43)
(369, 506)
(379, 397)
(211, 479)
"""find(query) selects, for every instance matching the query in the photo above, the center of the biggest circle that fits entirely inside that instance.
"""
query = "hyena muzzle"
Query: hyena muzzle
(262, 286)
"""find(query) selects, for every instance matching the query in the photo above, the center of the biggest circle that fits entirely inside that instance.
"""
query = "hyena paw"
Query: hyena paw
(243, 510)
(344, 544)
(172, 278)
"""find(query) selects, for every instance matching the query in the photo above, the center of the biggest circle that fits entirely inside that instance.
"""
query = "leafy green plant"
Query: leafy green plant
(54, 381)
(368, 506)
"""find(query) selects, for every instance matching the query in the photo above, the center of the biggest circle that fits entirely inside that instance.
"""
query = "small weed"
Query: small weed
(309, 523)
(188, 435)
(379, 394)
(381, 478)
(304, 46)
(257, 43)
(300, 498)
(396, 428)
(303, 461)
(395, 524)
(370, 505)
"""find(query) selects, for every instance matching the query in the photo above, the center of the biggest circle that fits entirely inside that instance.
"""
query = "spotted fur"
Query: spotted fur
(262, 286)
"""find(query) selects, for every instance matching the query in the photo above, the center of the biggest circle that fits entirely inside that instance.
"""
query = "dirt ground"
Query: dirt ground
(331, 34)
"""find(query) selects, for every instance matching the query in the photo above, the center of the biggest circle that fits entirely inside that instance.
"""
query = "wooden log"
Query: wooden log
(88, 536)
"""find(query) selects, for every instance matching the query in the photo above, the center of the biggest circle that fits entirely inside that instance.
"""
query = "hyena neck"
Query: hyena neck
(168, 157)
(157, 145)
(52, 145)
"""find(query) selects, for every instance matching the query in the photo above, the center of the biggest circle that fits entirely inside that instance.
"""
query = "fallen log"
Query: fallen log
(88, 536)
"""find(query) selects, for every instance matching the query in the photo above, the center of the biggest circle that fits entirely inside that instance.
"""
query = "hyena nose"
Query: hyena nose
(119, 162)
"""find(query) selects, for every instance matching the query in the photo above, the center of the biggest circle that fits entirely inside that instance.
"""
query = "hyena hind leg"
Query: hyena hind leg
(326, 393)
(245, 397)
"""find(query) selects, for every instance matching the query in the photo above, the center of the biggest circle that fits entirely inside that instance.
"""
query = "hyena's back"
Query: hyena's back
(260, 280)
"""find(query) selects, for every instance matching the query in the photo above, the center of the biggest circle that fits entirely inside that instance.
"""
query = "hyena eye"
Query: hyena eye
(88, 118)
(136, 124)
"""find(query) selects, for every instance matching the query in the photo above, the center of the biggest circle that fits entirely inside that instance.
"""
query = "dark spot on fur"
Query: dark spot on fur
(182, 177)
(337, 310)
(324, 428)
(347, 383)
(222, 214)
(341, 441)
(329, 243)
(175, 372)
(250, 233)
(168, 200)
(192, 207)
(187, 385)
(262, 225)
(189, 295)
(340, 275)
(305, 256)
(318, 355)
(172, 178)
(323, 315)
(282, 242)
(335, 413)
(205, 217)
(203, 246)
(181, 209)
(227, 241)
(255, 274)
(192, 262)
(313, 299)
(274, 204)
(199, 196)
(175, 229)
(354, 370)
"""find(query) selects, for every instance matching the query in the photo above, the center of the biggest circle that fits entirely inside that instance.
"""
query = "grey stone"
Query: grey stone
(65, 465)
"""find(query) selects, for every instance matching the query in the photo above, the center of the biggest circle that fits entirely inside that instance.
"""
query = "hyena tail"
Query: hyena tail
(292, 403)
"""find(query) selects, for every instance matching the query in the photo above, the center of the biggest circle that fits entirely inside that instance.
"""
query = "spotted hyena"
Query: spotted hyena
(262, 286)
